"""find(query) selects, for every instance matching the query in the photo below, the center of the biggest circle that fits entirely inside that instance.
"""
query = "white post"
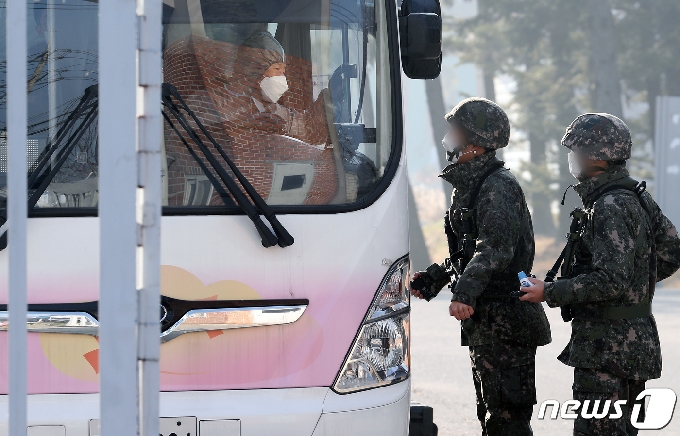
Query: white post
(149, 211)
(117, 216)
(51, 70)
(17, 209)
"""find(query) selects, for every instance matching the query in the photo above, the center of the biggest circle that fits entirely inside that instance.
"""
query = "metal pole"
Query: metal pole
(17, 212)
(117, 216)
(149, 203)
(345, 76)
(51, 70)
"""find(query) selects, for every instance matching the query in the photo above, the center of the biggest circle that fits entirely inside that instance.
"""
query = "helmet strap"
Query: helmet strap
(454, 156)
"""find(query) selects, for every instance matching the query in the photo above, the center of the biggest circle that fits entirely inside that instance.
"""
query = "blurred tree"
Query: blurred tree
(418, 254)
(649, 48)
(510, 37)
(435, 96)
(437, 108)
(605, 81)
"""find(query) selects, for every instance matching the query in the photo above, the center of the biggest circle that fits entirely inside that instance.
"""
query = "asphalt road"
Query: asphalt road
(442, 377)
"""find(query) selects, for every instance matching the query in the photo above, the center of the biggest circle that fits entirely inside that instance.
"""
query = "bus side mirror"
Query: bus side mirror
(420, 31)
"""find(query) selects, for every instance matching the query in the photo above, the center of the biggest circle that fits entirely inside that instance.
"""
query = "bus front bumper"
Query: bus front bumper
(281, 412)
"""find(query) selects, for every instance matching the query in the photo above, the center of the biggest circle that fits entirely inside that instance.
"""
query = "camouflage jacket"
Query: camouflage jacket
(614, 267)
(505, 246)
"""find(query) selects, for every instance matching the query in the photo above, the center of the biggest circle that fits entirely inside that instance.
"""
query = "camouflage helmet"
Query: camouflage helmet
(484, 119)
(599, 137)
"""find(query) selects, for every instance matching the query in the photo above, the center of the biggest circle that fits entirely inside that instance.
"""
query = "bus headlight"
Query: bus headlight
(380, 355)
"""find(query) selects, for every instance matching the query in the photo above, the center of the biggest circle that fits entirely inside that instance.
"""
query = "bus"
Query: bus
(284, 248)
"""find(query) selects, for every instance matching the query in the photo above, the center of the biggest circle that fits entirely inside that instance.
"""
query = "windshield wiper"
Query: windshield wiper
(213, 181)
(281, 236)
(88, 103)
(38, 181)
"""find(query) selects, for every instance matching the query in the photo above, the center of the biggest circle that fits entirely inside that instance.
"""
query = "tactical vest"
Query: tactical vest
(565, 262)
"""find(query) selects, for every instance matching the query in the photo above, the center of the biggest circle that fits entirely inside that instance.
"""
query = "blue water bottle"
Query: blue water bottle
(523, 279)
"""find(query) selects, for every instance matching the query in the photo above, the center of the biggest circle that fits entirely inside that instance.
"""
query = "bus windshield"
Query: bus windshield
(292, 92)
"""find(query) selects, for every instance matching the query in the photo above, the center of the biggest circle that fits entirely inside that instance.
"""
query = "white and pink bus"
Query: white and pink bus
(284, 234)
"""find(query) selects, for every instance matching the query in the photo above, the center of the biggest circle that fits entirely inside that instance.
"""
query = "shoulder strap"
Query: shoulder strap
(567, 254)
(638, 190)
(494, 167)
(451, 237)
(467, 215)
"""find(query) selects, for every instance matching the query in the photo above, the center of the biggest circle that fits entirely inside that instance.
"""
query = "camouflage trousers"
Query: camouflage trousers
(505, 383)
(597, 385)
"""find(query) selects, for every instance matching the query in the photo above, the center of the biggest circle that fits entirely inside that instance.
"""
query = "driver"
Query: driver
(258, 83)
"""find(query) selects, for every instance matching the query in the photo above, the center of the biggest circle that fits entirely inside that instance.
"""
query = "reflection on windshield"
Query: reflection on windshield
(61, 65)
(287, 87)
(271, 135)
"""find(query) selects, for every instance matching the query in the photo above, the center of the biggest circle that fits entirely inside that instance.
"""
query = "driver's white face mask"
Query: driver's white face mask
(274, 87)
(574, 165)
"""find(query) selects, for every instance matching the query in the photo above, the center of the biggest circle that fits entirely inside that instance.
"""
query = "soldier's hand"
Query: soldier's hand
(416, 293)
(460, 310)
(535, 293)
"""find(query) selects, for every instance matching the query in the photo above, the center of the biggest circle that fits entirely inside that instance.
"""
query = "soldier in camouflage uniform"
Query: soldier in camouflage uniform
(626, 245)
(501, 332)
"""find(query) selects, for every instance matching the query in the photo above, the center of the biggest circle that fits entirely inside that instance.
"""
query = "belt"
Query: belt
(641, 310)
(495, 294)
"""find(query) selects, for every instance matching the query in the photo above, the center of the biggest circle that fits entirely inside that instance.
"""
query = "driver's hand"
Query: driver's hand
(416, 293)
(460, 311)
